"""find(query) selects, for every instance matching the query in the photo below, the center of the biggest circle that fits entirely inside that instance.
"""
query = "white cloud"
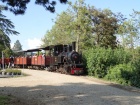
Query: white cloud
(34, 43)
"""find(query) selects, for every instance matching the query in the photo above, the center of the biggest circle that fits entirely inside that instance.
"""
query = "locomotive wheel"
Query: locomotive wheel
(61, 69)
(67, 69)
(52, 68)
(64, 69)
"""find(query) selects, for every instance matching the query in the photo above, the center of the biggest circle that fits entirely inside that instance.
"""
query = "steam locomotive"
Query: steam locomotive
(54, 58)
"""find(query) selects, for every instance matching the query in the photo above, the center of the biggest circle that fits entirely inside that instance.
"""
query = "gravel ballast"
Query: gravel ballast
(48, 88)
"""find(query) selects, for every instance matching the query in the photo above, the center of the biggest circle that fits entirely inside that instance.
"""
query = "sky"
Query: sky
(34, 24)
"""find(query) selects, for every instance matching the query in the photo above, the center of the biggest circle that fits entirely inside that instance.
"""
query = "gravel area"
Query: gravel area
(48, 88)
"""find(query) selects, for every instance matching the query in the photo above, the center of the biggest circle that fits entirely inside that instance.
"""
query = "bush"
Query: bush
(122, 66)
(121, 73)
(135, 78)
(99, 60)
(125, 74)
(14, 71)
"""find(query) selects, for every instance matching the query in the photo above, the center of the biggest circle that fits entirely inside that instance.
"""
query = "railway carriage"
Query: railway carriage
(4, 62)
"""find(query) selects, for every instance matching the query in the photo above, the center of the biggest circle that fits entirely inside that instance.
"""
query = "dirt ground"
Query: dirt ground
(48, 88)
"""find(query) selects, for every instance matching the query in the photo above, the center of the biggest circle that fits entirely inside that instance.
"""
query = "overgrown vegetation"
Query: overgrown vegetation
(119, 65)
(99, 60)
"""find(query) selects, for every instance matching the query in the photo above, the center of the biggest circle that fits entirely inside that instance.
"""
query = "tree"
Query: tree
(129, 31)
(81, 23)
(6, 29)
(17, 46)
(68, 31)
(20, 6)
(105, 25)
(60, 32)
(45, 40)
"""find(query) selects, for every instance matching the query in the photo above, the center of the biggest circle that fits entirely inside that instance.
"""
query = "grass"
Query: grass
(11, 71)
(14, 71)
(4, 100)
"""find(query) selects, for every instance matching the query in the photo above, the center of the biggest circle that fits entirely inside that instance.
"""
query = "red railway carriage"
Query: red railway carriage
(41, 60)
(16, 60)
(47, 60)
(22, 61)
(6, 61)
(36, 61)
(27, 61)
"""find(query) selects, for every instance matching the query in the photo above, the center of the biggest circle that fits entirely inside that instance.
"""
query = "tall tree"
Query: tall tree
(6, 29)
(45, 40)
(20, 6)
(81, 23)
(60, 32)
(17, 46)
(105, 25)
(129, 31)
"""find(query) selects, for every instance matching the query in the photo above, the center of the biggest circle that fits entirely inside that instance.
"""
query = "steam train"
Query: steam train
(54, 58)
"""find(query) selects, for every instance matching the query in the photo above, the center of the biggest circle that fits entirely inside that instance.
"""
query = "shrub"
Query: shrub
(135, 78)
(99, 60)
(122, 66)
(125, 74)
(14, 71)
(120, 73)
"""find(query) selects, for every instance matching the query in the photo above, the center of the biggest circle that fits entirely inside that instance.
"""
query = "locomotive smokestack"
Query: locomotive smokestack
(73, 46)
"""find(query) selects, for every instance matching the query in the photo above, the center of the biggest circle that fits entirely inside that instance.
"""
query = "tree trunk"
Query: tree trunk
(77, 43)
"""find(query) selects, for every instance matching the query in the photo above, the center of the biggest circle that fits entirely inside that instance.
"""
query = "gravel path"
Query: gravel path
(47, 88)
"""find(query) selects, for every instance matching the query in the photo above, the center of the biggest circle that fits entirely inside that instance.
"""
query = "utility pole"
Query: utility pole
(3, 54)
(2, 61)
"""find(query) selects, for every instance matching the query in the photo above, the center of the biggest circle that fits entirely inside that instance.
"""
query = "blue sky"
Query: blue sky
(33, 25)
